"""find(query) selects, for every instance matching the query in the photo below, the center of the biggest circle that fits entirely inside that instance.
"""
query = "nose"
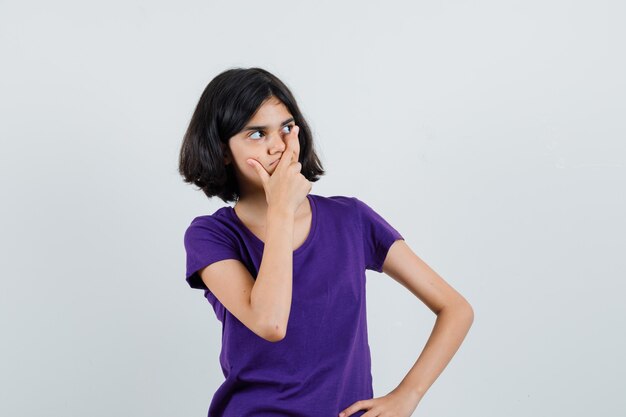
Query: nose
(277, 142)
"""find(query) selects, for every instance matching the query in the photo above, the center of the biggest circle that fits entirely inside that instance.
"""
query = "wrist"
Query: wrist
(280, 214)
(415, 394)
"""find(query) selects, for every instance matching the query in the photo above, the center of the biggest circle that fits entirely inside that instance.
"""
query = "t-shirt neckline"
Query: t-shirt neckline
(307, 242)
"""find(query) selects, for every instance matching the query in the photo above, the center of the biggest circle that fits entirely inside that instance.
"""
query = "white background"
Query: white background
(489, 133)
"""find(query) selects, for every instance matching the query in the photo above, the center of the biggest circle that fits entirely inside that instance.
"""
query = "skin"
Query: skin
(454, 314)
(264, 146)
(454, 319)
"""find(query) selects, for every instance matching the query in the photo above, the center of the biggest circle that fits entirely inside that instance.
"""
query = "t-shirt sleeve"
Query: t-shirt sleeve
(378, 236)
(206, 241)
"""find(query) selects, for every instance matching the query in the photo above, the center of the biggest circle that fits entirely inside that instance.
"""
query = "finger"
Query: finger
(289, 152)
(260, 170)
(296, 142)
(359, 405)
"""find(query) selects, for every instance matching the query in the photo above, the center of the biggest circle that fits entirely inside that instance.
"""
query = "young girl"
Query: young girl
(284, 269)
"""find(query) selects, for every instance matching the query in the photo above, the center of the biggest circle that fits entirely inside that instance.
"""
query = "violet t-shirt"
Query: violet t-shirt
(323, 364)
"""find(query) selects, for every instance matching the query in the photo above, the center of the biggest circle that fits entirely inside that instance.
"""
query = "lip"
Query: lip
(272, 163)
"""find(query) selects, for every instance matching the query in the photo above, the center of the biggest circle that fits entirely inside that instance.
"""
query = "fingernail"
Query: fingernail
(342, 414)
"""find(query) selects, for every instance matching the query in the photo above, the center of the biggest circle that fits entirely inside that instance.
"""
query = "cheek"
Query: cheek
(246, 170)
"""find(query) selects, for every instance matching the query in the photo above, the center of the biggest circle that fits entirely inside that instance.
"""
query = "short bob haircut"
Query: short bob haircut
(228, 102)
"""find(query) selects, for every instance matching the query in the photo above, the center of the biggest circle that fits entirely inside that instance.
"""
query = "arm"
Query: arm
(262, 305)
(454, 316)
(272, 292)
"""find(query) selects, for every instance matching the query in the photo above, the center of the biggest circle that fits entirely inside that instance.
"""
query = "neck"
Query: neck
(253, 207)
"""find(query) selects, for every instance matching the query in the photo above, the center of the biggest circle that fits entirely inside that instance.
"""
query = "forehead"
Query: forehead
(272, 108)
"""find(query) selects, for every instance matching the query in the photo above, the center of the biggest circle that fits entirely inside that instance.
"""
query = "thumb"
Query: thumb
(259, 170)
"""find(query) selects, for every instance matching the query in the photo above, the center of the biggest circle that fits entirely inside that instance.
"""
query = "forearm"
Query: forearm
(272, 291)
(451, 327)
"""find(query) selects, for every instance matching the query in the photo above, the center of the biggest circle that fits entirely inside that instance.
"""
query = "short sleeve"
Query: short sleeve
(206, 241)
(378, 236)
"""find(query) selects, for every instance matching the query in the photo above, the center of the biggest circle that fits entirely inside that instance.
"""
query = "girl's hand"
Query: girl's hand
(286, 186)
(397, 403)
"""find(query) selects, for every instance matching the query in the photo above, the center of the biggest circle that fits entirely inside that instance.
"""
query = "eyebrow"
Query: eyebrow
(291, 119)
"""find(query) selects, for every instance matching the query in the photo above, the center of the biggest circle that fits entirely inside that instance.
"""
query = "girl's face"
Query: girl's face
(263, 139)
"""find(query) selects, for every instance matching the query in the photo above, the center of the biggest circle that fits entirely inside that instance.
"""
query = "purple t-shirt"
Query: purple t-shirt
(323, 364)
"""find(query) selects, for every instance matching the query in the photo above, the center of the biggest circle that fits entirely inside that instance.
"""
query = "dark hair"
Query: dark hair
(228, 102)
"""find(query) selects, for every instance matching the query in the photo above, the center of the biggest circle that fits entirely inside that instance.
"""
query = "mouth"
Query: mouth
(272, 163)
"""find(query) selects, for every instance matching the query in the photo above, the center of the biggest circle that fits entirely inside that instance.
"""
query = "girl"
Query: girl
(284, 269)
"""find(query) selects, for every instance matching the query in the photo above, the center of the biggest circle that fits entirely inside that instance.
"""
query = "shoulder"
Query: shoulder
(351, 206)
(216, 225)
(335, 202)
(208, 221)
(348, 204)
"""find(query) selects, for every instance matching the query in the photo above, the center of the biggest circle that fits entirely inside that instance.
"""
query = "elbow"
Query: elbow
(268, 328)
(461, 309)
(469, 309)
(468, 312)
(463, 305)
(275, 338)
(274, 333)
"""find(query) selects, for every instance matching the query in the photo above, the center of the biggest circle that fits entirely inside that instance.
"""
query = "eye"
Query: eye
(250, 136)
(288, 127)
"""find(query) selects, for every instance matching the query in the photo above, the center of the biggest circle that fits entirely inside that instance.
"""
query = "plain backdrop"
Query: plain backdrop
(490, 134)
